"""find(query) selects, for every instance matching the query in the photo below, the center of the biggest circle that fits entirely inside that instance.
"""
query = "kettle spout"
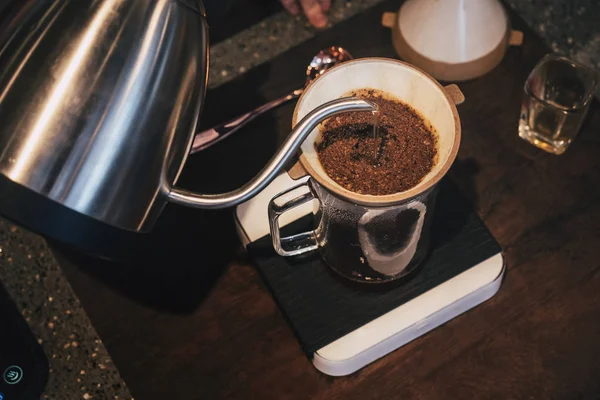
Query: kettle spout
(277, 163)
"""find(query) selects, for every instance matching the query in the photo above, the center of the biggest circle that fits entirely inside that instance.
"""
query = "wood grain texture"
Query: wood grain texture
(202, 326)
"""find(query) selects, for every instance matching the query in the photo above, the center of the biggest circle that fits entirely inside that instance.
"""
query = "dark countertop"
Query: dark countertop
(80, 365)
(567, 27)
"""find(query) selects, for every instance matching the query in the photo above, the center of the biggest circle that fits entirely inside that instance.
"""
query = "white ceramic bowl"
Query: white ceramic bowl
(401, 80)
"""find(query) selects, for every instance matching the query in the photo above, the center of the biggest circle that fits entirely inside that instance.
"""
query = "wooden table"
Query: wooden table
(192, 320)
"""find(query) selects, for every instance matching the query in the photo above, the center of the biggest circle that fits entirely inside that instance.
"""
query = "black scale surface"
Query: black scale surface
(322, 307)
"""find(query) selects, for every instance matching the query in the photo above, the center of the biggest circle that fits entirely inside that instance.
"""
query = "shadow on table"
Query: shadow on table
(455, 202)
(175, 266)
(173, 269)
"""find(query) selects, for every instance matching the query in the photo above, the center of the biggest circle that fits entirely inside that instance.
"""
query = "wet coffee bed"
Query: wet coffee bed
(391, 158)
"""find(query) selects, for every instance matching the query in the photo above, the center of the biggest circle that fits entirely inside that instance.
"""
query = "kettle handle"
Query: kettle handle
(277, 163)
(194, 5)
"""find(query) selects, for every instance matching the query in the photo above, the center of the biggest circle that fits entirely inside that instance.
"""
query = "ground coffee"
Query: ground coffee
(396, 159)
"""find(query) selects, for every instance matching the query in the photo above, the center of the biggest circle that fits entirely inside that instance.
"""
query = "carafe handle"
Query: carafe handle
(299, 243)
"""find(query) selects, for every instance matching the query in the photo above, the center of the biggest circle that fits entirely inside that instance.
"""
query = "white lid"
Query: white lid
(453, 31)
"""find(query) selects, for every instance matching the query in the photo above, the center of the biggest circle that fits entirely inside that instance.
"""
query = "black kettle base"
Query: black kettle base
(23, 364)
(48, 218)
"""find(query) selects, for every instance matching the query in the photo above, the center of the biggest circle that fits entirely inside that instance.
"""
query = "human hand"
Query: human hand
(313, 9)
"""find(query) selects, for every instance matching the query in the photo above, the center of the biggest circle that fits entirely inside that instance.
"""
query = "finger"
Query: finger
(291, 6)
(325, 4)
(314, 13)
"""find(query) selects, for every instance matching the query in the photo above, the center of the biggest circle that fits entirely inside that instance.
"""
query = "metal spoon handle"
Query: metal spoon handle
(205, 139)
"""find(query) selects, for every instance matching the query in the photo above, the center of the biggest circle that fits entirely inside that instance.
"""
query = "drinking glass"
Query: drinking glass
(558, 93)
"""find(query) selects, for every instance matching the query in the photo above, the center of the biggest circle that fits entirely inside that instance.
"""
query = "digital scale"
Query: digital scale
(23, 364)
(344, 326)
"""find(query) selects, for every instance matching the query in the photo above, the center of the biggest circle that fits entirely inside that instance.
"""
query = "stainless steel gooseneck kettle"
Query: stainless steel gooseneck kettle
(99, 101)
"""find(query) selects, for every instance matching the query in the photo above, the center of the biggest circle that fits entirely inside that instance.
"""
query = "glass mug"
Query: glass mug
(362, 243)
(367, 238)
(558, 94)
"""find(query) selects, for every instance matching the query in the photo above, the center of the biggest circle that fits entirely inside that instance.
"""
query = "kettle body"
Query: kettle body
(99, 100)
